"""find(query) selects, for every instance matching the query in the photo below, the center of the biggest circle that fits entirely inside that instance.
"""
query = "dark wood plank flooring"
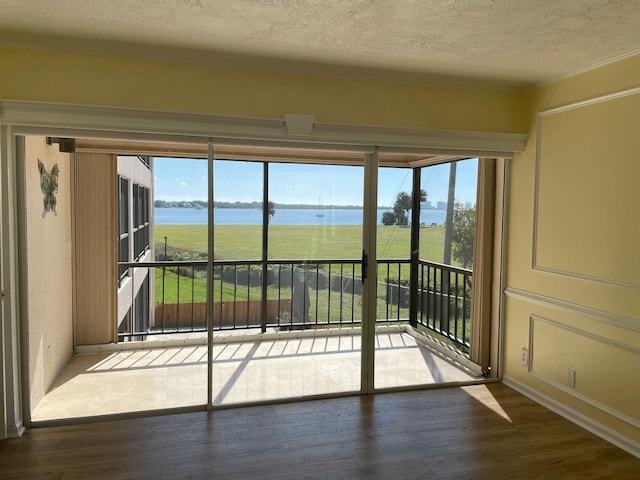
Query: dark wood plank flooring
(481, 432)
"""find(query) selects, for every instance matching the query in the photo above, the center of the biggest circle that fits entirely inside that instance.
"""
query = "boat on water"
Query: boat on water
(318, 214)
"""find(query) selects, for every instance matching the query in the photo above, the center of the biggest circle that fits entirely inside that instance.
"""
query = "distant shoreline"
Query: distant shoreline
(258, 205)
(282, 216)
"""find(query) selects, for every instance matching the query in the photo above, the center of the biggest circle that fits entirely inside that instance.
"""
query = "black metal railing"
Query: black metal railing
(444, 302)
(322, 293)
(293, 295)
(394, 294)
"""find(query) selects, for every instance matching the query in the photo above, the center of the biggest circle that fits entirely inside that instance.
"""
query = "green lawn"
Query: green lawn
(301, 242)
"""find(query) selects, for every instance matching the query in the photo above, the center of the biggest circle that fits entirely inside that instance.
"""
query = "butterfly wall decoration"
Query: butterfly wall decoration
(49, 186)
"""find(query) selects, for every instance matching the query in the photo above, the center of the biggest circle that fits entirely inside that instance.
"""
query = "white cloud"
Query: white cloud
(184, 184)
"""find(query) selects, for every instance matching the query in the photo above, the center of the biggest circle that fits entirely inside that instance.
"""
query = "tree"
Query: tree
(388, 218)
(403, 205)
(463, 235)
(272, 209)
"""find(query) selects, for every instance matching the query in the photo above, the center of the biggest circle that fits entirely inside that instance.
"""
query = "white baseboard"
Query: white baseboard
(604, 432)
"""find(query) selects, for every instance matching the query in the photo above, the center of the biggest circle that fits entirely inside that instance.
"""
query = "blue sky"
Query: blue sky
(186, 179)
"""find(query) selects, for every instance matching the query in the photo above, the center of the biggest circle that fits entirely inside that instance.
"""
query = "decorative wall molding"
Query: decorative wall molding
(139, 124)
(627, 444)
(562, 305)
(536, 193)
(592, 336)
(590, 278)
(570, 391)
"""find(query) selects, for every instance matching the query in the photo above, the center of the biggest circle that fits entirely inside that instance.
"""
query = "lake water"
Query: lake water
(283, 216)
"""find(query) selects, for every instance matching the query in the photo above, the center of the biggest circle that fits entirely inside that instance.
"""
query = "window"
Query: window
(123, 225)
(141, 308)
(140, 220)
(145, 161)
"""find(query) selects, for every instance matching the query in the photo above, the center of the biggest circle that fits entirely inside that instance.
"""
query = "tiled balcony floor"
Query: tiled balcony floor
(247, 371)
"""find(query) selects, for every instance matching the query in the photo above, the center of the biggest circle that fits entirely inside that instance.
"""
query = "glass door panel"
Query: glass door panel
(445, 276)
(308, 284)
(237, 274)
(393, 347)
(422, 298)
(163, 302)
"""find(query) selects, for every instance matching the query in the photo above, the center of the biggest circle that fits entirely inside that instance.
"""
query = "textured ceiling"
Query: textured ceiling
(497, 44)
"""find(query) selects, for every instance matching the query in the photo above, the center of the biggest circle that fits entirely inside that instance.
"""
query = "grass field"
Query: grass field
(302, 242)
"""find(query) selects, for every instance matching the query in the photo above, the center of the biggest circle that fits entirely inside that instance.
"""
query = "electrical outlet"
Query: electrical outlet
(524, 357)
(571, 378)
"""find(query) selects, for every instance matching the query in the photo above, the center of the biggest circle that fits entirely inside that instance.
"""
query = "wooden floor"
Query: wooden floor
(480, 432)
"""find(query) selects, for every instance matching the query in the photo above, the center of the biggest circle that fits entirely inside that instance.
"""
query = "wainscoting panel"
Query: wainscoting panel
(586, 195)
(557, 349)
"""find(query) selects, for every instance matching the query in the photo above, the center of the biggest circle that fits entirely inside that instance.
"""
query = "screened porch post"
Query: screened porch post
(415, 245)
(265, 245)
(209, 282)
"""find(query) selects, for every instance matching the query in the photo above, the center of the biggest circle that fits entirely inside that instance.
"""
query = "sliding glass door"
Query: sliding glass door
(264, 273)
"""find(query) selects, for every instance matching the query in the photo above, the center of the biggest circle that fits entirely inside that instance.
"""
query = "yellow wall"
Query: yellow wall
(576, 303)
(100, 80)
(49, 269)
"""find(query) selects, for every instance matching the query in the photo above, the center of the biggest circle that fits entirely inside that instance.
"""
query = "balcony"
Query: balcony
(303, 339)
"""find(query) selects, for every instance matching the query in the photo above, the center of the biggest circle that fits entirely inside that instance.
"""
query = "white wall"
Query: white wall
(49, 250)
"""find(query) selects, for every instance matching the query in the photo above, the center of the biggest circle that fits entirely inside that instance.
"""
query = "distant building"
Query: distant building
(441, 205)
(135, 225)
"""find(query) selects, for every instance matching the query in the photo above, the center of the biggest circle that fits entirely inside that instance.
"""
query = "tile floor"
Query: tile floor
(247, 371)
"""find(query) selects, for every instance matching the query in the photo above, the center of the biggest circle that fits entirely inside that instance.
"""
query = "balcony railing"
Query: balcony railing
(297, 295)
(444, 302)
